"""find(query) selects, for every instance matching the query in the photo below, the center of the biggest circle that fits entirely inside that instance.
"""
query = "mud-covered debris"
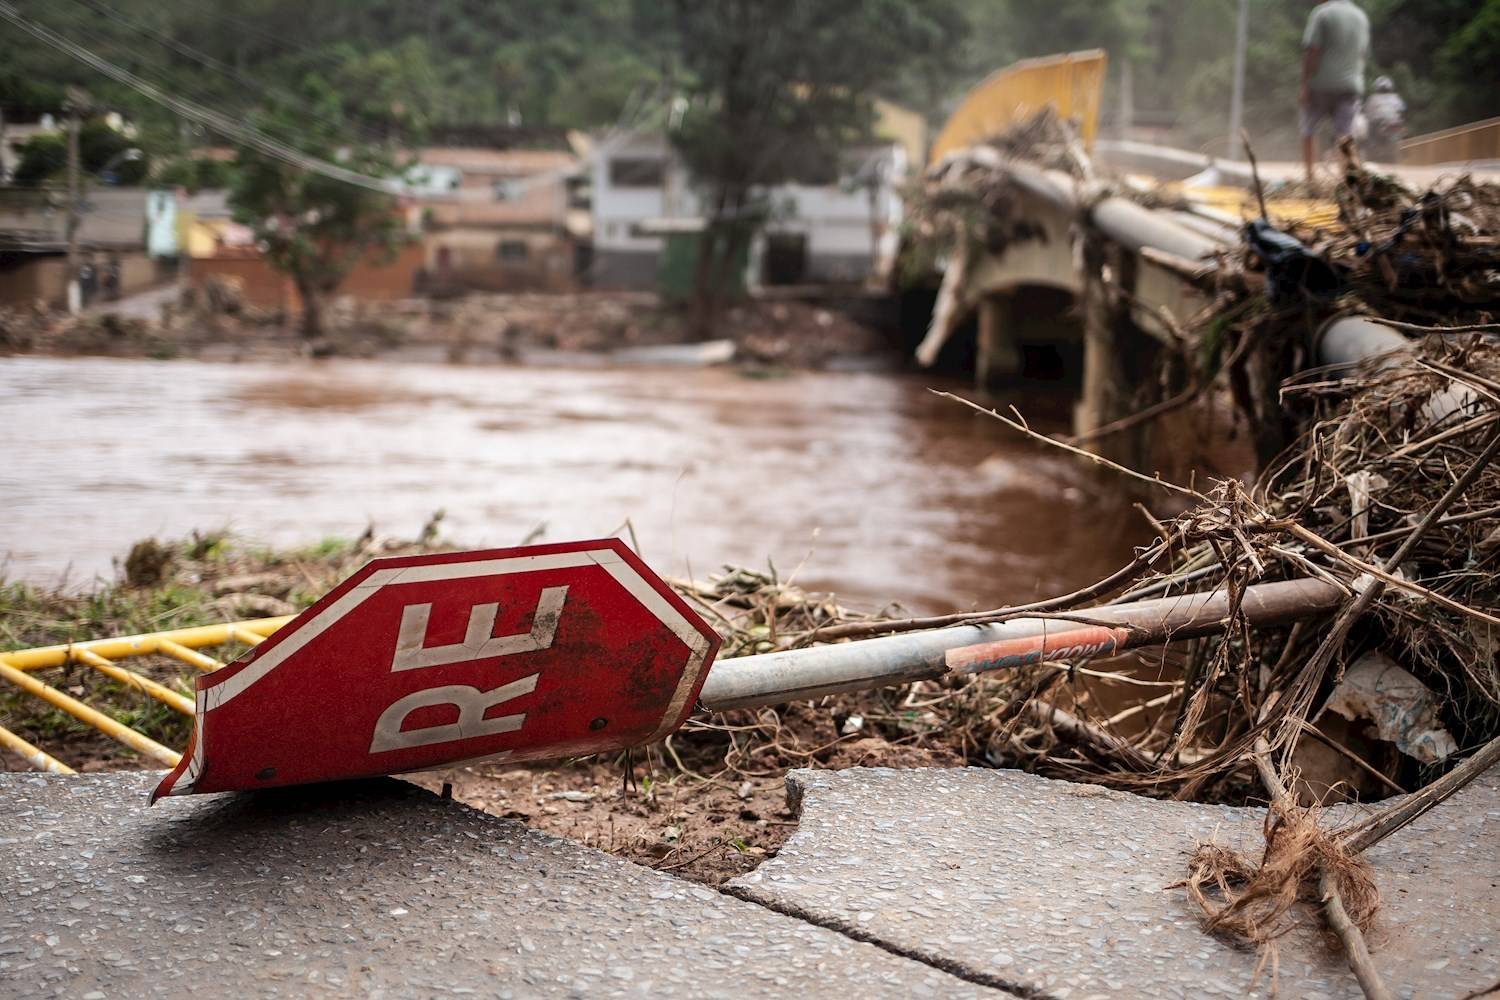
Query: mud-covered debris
(1404, 710)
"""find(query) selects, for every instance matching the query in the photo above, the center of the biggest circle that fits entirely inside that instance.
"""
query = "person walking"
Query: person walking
(1386, 113)
(1334, 48)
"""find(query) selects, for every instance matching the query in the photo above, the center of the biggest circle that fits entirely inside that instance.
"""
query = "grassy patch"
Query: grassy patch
(201, 580)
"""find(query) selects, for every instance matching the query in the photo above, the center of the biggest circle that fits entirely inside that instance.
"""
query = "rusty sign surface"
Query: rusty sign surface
(416, 662)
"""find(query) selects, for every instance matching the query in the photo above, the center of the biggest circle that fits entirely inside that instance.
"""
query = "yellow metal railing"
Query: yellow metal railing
(184, 645)
(1241, 204)
(1071, 83)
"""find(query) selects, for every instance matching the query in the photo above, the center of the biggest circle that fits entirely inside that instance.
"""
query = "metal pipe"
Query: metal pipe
(245, 636)
(796, 674)
(1050, 185)
(1351, 339)
(191, 657)
(38, 758)
(131, 679)
(1213, 229)
(1237, 89)
(89, 716)
(40, 657)
(1122, 220)
(1135, 227)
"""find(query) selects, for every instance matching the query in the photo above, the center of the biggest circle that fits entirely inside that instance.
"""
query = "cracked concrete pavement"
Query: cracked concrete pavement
(1056, 889)
(376, 889)
(931, 882)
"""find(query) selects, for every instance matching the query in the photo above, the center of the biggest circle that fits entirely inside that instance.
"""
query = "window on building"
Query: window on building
(637, 172)
(512, 250)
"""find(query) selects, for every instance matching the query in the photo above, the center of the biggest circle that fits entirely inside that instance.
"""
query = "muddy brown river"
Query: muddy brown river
(867, 485)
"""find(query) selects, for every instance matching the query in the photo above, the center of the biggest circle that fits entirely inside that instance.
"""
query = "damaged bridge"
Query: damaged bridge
(1097, 275)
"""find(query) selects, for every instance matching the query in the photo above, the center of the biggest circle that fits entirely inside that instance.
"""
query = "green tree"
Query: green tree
(100, 146)
(1470, 67)
(394, 91)
(573, 64)
(315, 228)
(43, 157)
(777, 89)
(195, 175)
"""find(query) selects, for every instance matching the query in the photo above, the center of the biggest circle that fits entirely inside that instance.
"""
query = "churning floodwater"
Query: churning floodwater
(867, 485)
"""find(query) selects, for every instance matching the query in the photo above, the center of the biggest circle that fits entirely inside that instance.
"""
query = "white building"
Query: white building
(844, 232)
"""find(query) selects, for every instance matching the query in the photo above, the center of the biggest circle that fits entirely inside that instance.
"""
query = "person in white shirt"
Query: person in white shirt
(1386, 113)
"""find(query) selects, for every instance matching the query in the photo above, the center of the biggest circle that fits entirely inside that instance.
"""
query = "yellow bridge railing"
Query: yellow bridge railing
(19, 668)
(1070, 83)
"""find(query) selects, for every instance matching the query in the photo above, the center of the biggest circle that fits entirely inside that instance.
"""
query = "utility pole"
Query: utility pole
(74, 293)
(1237, 95)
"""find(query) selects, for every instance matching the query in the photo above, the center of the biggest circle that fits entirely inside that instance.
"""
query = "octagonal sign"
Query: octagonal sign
(416, 662)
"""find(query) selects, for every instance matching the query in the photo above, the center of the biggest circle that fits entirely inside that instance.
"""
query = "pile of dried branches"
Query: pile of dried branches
(1398, 510)
(1389, 495)
(968, 200)
(1421, 261)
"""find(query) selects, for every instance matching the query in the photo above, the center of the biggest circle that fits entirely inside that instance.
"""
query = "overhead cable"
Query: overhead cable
(224, 125)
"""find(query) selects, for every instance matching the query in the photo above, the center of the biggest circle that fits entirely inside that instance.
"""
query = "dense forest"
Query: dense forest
(400, 68)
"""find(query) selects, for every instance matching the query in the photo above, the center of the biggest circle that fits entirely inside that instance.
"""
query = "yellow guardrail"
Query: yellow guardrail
(1071, 83)
(1242, 204)
(184, 645)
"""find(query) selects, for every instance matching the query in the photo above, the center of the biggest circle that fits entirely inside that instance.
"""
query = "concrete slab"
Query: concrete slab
(377, 889)
(1060, 890)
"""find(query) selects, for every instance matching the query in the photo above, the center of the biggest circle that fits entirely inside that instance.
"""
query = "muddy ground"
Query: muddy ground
(489, 328)
(708, 825)
(708, 804)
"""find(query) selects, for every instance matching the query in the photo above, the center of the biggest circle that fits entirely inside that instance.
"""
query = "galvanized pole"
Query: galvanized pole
(796, 674)
(72, 291)
(1237, 95)
(1127, 99)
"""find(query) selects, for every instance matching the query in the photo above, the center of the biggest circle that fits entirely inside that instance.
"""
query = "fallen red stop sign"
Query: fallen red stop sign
(416, 662)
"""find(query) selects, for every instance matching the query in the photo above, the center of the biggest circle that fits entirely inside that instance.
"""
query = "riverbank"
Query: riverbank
(836, 330)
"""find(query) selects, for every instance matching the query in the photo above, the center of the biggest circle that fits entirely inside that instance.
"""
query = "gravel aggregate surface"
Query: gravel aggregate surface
(1062, 890)
(376, 889)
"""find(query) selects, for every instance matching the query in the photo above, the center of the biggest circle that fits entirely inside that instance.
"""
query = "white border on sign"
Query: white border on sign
(608, 559)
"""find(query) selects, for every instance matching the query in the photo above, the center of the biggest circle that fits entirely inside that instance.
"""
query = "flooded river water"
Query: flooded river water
(876, 488)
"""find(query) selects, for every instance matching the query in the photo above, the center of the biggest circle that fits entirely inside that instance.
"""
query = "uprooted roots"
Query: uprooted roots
(1257, 902)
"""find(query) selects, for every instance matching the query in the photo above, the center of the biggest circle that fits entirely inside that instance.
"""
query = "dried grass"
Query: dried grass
(1257, 902)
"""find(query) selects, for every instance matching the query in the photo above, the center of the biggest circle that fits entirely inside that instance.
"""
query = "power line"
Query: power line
(133, 58)
(239, 131)
(218, 65)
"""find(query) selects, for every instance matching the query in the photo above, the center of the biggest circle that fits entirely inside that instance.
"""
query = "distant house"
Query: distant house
(836, 231)
(637, 181)
(206, 226)
(112, 245)
(217, 248)
(499, 219)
